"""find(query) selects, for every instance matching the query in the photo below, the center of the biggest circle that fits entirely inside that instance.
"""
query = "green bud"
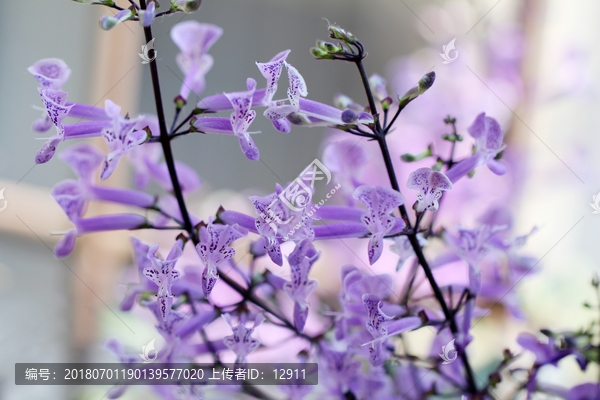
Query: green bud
(595, 281)
(471, 174)
(331, 48)
(386, 103)
(410, 158)
(187, 6)
(449, 120)
(320, 54)
(335, 32)
(179, 102)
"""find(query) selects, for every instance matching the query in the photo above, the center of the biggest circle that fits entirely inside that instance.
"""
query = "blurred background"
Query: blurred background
(532, 64)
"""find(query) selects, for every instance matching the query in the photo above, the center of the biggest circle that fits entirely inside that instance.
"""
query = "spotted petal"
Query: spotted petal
(272, 71)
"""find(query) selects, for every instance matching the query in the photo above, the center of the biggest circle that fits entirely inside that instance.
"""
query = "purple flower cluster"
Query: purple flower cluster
(440, 281)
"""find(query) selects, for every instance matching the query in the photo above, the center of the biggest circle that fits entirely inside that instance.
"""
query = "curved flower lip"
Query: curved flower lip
(271, 71)
(215, 125)
(430, 184)
(50, 72)
(220, 102)
(195, 38)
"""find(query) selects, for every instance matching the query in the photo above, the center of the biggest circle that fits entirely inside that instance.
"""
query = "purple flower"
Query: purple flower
(404, 249)
(55, 102)
(51, 73)
(545, 353)
(194, 39)
(356, 283)
(241, 342)
(107, 22)
(120, 138)
(488, 142)
(472, 245)
(166, 327)
(300, 287)
(296, 89)
(272, 71)
(163, 274)
(378, 84)
(242, 117)
(378, 324)
(270, 210)
(147, 16)
(73, 195)
(196, 323)
(141, 261)
(147, 165)
(214, 250)
(380, 202)
(430, 184)
(586, 391)
(340, 368)
(113, 222)
(346, 160)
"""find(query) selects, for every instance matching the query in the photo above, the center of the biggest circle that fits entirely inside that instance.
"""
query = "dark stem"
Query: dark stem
(177, 111)
(165, 141)
(166, 145)
(182, 123)
(411, 234)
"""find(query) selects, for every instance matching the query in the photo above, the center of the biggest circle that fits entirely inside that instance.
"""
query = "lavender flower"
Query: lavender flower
(404, 249)
(379, 326)
(242, 117)
(488, 138)
(96, 224)
(380, 202)
(194, 40)
(141, 261)
(241, 342)
(120, 138)
(163, 274)
(430, 184)
(300, 287)
(51, 73)
(214, 250)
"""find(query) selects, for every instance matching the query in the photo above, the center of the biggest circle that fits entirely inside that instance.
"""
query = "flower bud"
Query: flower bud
(424, 83)
(335, 32)
(187, 6)
(349, 116)
(320, 54)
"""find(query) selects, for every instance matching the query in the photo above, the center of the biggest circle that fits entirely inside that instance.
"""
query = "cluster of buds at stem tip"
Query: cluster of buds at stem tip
(340, 50)
(424, 83)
